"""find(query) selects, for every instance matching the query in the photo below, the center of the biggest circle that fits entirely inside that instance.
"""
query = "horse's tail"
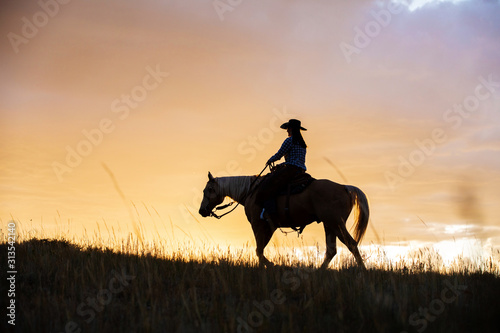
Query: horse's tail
(358, 199)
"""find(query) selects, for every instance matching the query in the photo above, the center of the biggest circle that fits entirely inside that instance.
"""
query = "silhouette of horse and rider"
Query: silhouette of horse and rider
(272, 201)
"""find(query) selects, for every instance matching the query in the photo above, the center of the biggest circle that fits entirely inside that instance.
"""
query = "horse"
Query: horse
(322, 201)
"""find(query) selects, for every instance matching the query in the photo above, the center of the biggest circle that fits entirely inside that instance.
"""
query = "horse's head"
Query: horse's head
(211, 196)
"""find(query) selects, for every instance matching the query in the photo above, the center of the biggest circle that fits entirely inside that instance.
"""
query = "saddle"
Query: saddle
(295, 186)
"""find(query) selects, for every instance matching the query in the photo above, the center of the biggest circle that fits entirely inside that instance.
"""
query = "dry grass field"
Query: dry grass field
(83, 286)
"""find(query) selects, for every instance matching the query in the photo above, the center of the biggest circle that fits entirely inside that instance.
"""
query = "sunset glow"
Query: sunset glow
(113, 112)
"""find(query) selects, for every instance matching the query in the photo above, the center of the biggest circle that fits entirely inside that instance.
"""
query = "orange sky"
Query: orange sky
(405, 101)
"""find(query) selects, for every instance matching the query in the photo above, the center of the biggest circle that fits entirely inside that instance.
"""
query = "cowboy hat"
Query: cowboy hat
(292, 123)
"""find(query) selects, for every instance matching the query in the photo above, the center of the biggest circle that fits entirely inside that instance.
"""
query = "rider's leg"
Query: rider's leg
(273, 184)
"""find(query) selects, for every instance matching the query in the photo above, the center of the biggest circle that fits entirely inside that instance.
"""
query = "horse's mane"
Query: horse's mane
(235, 187)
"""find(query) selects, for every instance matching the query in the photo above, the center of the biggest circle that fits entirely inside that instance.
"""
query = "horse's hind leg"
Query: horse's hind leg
(331, 246)
(351, 244)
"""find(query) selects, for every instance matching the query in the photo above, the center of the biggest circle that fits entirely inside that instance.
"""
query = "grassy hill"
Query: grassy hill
(61, 287)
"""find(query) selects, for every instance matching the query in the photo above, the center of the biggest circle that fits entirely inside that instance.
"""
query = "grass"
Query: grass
(71, 286)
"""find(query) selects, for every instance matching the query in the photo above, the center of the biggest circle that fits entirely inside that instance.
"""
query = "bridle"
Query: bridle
(212, 213)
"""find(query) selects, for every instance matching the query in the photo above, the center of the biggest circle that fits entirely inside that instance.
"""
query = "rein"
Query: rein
(212, 213)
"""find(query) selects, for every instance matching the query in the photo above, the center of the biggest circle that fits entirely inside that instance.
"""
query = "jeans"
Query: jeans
(275, 182)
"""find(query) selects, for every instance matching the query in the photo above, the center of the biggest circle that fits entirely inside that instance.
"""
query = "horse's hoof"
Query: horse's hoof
(266, 264)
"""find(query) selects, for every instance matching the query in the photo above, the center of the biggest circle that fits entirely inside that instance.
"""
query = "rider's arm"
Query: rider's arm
(285, 148)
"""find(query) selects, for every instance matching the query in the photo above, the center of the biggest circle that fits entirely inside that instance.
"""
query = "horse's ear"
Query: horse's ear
(210, 177)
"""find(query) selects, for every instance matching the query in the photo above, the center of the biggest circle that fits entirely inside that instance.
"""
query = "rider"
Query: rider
(294, 151)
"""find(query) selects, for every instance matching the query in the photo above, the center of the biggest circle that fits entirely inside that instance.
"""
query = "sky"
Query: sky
(112, 112)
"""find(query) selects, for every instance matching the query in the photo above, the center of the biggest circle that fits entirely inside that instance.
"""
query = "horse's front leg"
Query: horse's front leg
(263, 233)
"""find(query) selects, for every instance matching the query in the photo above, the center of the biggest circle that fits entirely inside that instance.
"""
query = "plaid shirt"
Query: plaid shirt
(294, 154)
